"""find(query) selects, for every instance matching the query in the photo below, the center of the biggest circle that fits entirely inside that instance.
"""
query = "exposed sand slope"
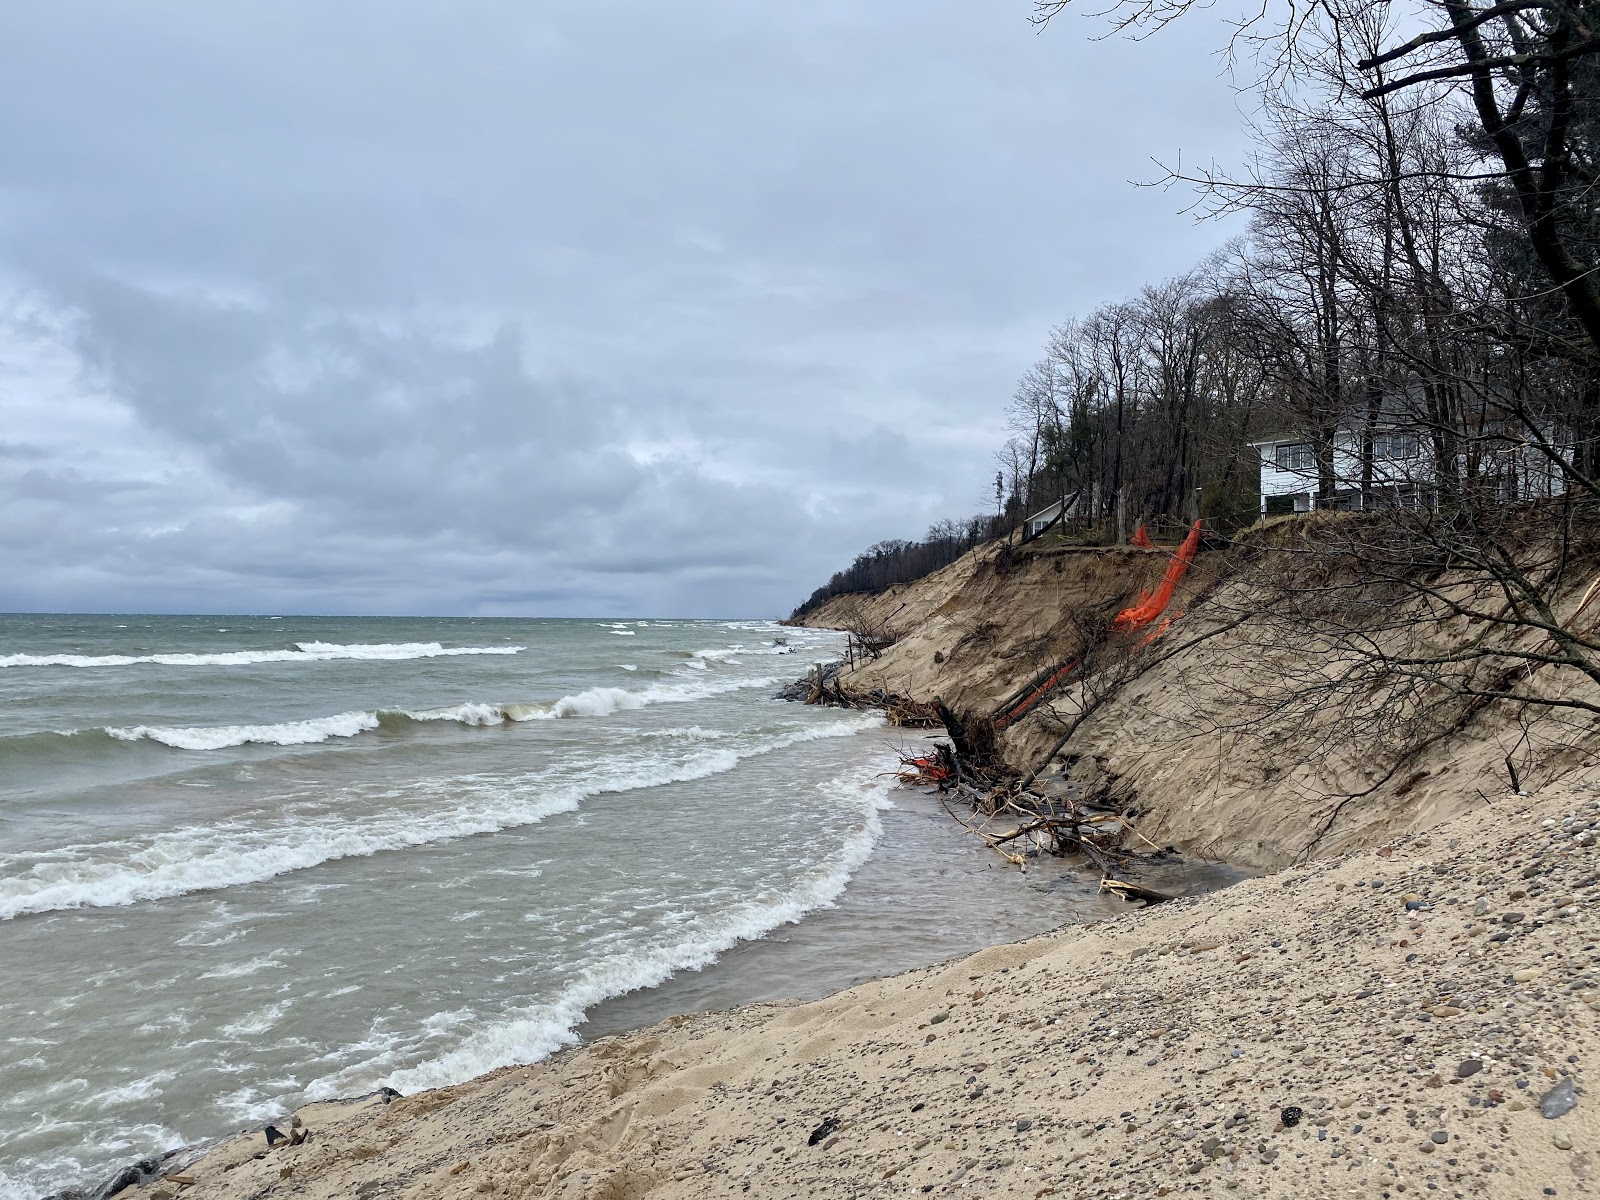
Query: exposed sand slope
(994, 621)
(1150, 1055)
(1180, 747)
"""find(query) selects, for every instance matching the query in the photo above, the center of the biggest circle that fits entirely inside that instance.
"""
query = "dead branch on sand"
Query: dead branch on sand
(1015, 819)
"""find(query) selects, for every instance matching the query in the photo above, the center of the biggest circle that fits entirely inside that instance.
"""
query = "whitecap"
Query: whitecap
(240, 970)
(602, 701)
(464, 714)
(257, 1022)
(199, 858)
(288, 733)
(539, 1030)
(301, 652)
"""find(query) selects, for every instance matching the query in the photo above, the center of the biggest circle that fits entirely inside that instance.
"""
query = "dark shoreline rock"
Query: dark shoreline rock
(819, 675)
(154, 1167)
(141, 1174)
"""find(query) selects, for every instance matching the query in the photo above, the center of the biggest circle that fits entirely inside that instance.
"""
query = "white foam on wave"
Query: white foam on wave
(240, 970)
(595, 702)
(37, 1176)
(301, 652)
(289, 733)
(691, 733)
(228, 854)
(463, 714)
(603, 701)
(538, 1031)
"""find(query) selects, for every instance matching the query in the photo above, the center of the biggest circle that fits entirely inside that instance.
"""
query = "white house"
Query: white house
(1402, 472)
(1080, 505)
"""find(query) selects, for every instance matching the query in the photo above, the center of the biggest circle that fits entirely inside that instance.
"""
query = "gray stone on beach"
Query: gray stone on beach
(1558, 1101)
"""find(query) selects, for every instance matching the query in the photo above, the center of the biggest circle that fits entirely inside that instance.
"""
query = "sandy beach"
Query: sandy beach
(1414, 1019)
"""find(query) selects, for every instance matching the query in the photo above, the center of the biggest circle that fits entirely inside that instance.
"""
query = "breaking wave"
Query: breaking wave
(227, 854)
(540, 1030)
(595, 702)
(289, 733)
(301, 652)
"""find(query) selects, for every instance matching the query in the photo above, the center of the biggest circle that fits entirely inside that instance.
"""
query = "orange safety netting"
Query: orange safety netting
(1157, 631)
(1039, 693)
(1152, 604)
(1147, 612)
(925, 770)
(1140, 537)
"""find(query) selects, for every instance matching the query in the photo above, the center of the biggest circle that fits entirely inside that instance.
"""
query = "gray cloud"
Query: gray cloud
(405, 307)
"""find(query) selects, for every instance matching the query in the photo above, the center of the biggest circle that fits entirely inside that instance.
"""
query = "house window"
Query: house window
(1395, 445)
(1296, 456)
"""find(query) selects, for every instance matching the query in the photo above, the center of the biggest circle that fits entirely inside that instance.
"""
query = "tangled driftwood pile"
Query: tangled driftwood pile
(1016, 820)
(823, 687)
(1010, 813)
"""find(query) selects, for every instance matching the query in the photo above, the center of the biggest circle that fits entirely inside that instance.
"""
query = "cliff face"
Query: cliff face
(1206, 737)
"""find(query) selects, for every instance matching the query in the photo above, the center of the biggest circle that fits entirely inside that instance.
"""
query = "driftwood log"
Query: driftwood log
(1010, 814)
(1012, 818)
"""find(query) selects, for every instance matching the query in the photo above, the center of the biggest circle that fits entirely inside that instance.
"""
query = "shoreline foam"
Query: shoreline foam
(1415, 1025)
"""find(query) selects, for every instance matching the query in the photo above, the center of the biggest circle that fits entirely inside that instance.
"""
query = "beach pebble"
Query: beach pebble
(1558, 1101)
(1439, 1137)
(1469, 1067)
(829, 1124)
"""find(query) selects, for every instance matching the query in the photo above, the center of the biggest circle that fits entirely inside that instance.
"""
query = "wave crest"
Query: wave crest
(211, 857)
(288, 733)
(301, 652)
(541, 1030)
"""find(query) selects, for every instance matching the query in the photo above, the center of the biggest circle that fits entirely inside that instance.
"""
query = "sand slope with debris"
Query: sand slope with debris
(1196, 745)
(1411, 1005)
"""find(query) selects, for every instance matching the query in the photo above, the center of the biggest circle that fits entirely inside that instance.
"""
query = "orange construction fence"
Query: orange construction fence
(1152, 604)
(1148, 611)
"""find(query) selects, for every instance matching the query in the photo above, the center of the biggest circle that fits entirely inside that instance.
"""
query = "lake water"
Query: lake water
(247, 862)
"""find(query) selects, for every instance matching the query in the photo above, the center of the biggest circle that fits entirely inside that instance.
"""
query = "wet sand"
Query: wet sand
(1389, 1023)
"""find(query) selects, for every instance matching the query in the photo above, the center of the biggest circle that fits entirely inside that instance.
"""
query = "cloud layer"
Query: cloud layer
(559, 309)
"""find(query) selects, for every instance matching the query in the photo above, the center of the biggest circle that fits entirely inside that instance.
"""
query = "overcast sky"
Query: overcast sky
(545, 307)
